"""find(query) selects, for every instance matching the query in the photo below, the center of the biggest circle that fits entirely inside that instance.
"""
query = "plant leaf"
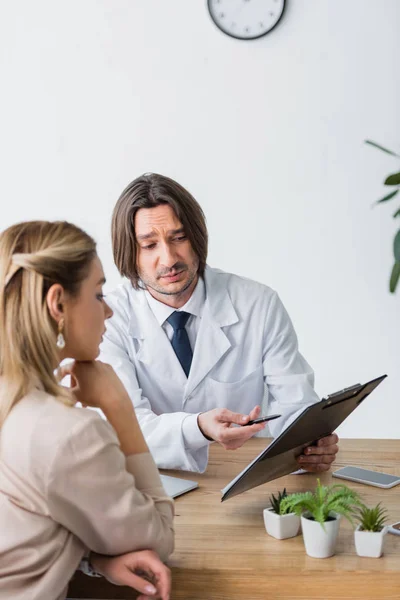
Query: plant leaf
(371, 143)
(393, 179)
(396, 246)
(388, 197)
(397, 213)
(276, 502)
(394, 277)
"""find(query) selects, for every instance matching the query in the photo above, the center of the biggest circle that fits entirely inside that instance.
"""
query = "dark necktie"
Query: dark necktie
(180, 339)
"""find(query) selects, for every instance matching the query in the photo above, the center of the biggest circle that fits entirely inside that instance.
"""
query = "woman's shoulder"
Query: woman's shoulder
(40, 407)
(39, 424)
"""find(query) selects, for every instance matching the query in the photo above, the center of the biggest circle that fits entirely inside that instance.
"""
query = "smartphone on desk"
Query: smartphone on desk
(375, 478)
(394, 528)
(262, 419)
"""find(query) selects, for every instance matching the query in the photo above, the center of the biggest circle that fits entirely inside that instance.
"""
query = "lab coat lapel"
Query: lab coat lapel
(154, 348)
(212, 342)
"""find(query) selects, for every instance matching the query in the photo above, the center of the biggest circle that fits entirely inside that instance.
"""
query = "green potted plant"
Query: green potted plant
(280, 523)
(393, 182)
(370, 533)
(320, 512)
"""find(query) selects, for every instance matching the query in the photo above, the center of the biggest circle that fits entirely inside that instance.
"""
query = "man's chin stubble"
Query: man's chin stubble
(178, 293)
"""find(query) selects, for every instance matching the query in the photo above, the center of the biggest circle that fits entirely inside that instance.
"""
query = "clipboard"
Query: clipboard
(315, 422)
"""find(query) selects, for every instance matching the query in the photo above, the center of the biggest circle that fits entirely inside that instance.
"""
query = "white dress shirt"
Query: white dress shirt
(194, 306)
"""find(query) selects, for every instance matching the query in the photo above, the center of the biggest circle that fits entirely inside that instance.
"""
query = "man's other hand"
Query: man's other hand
(320, 457)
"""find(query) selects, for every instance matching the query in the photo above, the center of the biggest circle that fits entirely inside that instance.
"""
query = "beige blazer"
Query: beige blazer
(66, 488)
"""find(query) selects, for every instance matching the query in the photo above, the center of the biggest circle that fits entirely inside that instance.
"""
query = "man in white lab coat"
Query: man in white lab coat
(195, 347)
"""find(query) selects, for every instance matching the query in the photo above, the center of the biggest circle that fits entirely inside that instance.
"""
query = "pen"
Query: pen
(262, 419)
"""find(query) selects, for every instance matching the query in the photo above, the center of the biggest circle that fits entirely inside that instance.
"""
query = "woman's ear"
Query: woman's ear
(55, 300)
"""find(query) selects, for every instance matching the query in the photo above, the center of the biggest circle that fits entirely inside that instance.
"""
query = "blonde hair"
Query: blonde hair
(34, 256)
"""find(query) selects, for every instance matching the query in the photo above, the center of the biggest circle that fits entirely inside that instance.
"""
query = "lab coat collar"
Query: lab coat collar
(212, 342)
(217, 304)
(218, 301)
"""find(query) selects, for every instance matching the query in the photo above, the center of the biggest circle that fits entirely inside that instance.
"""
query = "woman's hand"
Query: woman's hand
(142, 571)
(95, 384)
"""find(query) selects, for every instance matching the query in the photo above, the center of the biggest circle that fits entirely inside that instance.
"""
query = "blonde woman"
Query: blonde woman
(72, 486)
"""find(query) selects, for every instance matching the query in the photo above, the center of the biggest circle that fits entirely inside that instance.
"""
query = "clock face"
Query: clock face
(246, 19)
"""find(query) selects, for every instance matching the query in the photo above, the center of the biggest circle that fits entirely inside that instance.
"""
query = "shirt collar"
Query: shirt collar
(194, 305)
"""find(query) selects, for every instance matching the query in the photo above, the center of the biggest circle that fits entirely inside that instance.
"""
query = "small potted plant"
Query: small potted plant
(320, 512)
(279, 523)
(370, 533)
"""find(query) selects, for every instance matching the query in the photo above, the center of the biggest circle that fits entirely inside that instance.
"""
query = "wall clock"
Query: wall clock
(246, 19)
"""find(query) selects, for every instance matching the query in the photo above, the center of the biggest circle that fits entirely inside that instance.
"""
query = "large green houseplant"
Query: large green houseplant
(393, 181)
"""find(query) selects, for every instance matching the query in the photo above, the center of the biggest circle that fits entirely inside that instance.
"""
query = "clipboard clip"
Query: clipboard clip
(353, 388)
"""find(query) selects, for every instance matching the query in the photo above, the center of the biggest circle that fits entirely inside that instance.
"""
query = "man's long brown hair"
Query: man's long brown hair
(148, 191)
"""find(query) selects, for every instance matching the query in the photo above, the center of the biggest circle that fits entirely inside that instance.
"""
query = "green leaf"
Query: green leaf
(276, 503)
(394, 278)
(371, 143)
(393, 179)
(397, 213)
(388, 197)
(396, 246)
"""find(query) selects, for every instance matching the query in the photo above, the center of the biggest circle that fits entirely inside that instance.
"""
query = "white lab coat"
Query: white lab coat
(246, 342)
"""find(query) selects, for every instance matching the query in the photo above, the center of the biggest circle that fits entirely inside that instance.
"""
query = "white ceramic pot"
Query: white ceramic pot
(281, 527)
(319, 542)
(369, 543)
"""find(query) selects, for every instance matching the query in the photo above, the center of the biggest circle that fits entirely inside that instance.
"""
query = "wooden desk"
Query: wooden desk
(223, 552)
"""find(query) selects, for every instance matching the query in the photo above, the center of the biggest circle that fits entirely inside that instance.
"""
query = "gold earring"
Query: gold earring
(60, 338)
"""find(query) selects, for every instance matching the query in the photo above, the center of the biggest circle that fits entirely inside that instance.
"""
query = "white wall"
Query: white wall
(268, 135)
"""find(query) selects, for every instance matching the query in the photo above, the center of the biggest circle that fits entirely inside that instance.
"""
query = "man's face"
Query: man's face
(165, 258)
